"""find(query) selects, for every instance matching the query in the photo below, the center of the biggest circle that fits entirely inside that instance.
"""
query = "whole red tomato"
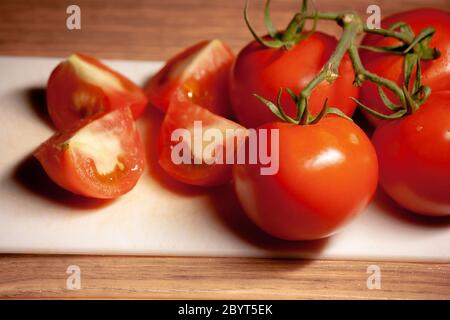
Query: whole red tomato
(414, 157)
(263, 71)
(435, 73)
(327, 174)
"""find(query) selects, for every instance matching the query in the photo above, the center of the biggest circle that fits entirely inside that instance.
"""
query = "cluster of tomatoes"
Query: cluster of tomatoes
(328, 170)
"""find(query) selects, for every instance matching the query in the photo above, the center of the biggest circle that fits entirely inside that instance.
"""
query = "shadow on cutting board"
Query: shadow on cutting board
(226, 205)
(30, 175)
(38, 104)
(390, 208)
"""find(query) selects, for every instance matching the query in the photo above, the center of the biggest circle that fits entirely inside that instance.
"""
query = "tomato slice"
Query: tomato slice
(82, 86)
(101, 157)
(188, 149)
(201, 72)
(434, 73)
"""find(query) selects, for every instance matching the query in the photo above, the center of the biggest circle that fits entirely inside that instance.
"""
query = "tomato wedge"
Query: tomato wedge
(101, 157)
(193, 143)
(82, 86)
(201, 72)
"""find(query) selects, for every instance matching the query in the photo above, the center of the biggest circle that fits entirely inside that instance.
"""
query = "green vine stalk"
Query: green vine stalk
(413, 48)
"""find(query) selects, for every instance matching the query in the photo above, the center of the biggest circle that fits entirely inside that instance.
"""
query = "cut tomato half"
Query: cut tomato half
(82, 86)
(196, 146)
(101, 157)
(201, 72)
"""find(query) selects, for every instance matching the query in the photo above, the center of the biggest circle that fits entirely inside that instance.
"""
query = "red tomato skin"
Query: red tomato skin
(414, 157)
(181, 114)
(160, 91)
(435, 73)
(208, 88)
(327, 174)
(79, 175)
(65, 88)
(264, 71)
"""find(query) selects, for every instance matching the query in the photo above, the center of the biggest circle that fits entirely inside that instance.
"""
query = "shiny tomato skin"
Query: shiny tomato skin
(201, 72)
(77, 173)
(75, 91)
(263, 71)
(181, 115)
(414, 157)
(435, 73)
(327, 174)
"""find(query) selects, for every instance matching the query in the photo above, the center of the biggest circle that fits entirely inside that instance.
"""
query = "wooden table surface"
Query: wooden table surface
(154, 30)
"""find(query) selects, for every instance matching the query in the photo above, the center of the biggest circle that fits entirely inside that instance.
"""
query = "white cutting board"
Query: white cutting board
(160, 216)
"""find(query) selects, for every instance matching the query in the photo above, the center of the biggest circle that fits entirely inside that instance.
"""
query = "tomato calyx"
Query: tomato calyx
(303, 116)
(414, 49)
(414, 93)
(409, 42)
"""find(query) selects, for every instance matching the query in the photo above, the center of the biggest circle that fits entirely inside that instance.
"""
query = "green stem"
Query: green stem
(351, 28)
(361, 74)
(388, 33)
(324, 16)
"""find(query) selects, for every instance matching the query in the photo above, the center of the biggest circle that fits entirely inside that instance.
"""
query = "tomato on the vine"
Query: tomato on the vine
(414, 157)
(327, 174)
(435, 73)
(260, 70)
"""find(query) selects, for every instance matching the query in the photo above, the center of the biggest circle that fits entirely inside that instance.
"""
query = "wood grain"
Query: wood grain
(218, 278)
(135, 29)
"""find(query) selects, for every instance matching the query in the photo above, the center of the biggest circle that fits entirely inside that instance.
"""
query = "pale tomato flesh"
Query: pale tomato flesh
(100, 157)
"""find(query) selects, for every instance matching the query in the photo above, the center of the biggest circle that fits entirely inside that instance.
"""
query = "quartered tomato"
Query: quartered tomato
(193, 143)
(201, 72)
(414, 157)
(327, 174)
(435, 73)
(260, 70)
(82, 86)
(101, 157)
